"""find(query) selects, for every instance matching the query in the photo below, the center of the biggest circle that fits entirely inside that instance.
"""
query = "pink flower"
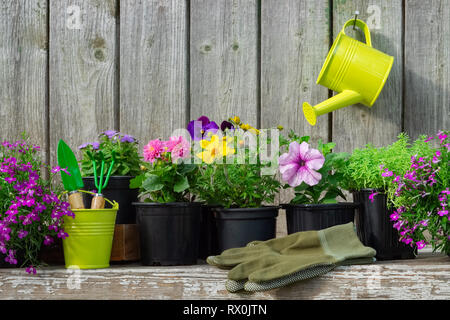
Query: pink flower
(442, 213)
(181, 150)
(31, 269)
(394, 216)
(171, 143)
(22, 234)
(442, 136)
(372, 196)
(421, 244)
(153, 150)
(300, 163)
(387, 173)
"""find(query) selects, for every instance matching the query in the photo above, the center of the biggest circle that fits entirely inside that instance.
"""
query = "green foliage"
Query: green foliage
(363, 167)
(127, 159)
(421, 196)
(238, 182)
(164, 181)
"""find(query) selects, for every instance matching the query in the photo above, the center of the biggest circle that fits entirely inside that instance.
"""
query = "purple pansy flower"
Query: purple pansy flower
(226, 125)
(300, 163)
(198, 128)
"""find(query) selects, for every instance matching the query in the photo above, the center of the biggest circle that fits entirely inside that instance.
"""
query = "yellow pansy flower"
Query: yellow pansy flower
(215, 149)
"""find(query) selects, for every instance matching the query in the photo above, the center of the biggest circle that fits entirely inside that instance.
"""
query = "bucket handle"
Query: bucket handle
(112, 203)
(363, 26)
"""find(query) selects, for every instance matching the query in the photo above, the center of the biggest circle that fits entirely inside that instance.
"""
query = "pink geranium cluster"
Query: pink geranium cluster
(173, 149)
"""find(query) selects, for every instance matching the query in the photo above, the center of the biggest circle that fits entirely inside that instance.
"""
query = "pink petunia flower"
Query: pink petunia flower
(300, 163)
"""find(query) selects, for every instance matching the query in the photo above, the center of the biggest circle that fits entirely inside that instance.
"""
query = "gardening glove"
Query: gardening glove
(266, 265)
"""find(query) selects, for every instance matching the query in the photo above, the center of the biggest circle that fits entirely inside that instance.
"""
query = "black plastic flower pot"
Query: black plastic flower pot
(236, 227)
(169, 232)
(208, 233)
(305, 217)
(118, 189)
(375, 229)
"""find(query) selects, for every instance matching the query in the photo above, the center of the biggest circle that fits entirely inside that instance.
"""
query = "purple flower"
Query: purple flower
(95, 145)
(442, 212)
(421, 244)
(22, 234)
(31, 270)
(127, 138)
(372, 196)
(48, 240)
(429, 139)
(84, 145)
(300, 163)
(110, 133)
(387, 173)
(442, 136)
(11, 257)
(62, 234)
(10, 179)
(394, 216)
(226, 125)
(200, 127)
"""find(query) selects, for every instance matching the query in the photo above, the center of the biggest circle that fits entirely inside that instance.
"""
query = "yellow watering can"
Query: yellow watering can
(354, 69)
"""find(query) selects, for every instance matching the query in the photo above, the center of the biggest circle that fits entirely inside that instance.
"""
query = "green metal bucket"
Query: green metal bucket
(90, 239)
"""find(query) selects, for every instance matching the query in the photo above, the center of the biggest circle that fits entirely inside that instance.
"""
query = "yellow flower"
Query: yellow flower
(280, 128)
(215, 149)
(236, 120)
(247, 127)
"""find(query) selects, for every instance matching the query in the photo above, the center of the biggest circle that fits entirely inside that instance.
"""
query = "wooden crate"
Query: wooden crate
(126, 243)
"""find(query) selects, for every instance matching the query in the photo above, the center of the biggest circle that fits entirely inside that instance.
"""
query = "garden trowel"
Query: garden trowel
(73, 182)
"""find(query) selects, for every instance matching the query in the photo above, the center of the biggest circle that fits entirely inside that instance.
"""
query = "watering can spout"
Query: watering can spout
(343, 99)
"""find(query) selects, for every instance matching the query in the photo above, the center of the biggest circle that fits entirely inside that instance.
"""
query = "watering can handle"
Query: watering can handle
(362, 25)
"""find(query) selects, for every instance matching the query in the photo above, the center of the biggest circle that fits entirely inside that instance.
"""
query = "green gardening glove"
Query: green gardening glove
(265, 265)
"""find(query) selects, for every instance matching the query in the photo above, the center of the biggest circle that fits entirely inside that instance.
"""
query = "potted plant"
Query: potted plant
(168, 218)
(126, 166)
(31, 213)
(231, 182)
(421, 196)
(316, 176)
(369, 184)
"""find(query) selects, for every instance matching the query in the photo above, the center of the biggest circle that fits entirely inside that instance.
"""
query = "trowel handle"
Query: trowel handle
(363, 26)
(98, 201)
(76, 200)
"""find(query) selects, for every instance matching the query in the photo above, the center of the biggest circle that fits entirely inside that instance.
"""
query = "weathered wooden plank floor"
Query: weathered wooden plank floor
(426, 277)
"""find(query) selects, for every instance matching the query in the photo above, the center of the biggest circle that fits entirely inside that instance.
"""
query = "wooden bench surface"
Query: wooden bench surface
(426, 277)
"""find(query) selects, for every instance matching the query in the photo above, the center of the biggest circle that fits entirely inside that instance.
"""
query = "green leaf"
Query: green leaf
(136, 182)
(152, 183)
(181, 185)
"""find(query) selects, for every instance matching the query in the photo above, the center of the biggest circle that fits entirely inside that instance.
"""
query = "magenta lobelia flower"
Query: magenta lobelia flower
(300, 163)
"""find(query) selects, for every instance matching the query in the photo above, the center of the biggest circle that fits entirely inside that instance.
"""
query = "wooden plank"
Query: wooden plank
(422, 278)
(294, 44)
(23, 70)
(357, 125)
(83, 100)
(126, 243)
(427, 67)
(223, 60)
(153, 63)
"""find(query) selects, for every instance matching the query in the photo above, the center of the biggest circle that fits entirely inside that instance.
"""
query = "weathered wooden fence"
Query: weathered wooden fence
(73, 68)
